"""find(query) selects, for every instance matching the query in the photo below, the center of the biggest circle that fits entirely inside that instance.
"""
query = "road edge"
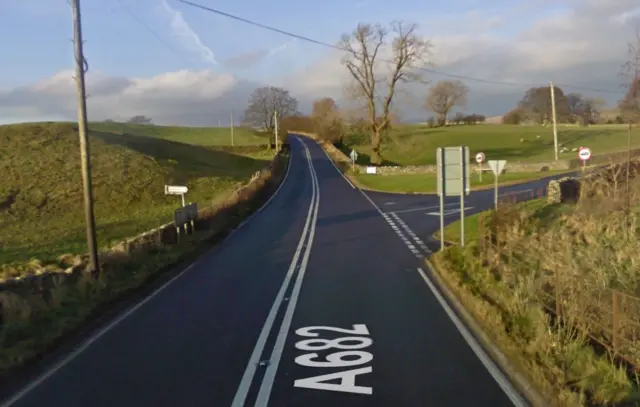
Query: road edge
(532, 395)
(15, 381)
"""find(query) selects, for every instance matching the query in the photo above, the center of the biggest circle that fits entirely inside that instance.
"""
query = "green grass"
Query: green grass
(41, 204)
(416, 144)
(203, 136)
(426, 183)
(545, 214)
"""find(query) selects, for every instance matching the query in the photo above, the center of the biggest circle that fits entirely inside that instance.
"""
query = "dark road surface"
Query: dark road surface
(319, 300)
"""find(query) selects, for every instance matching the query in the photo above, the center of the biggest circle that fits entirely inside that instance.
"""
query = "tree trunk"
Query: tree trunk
(376, 157)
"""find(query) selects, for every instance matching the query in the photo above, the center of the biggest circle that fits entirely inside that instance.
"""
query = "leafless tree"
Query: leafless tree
(584, 109)
(264, 102)
(364, 46)
(444, 96)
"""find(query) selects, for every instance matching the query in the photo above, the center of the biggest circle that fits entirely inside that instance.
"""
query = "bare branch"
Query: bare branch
(444, 96)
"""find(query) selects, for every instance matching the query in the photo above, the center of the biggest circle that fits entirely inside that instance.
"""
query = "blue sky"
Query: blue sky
(136, 63)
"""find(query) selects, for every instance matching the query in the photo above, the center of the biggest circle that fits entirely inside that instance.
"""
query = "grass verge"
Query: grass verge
(40, 314)
(537, 278)
(427, 183)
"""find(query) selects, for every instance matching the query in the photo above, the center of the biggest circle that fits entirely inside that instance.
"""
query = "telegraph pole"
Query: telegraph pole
(553, 118)
(275, 121)
(231, 127)
(84, 140)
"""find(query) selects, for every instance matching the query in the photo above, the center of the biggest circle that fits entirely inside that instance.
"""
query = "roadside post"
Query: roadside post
(496, 166)
(453, 180)
(354, 157)
(184, 216)
(176, 190)
(480, 159)
(584, 154)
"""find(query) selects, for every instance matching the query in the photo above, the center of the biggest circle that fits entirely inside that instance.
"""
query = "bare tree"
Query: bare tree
(536, 104)
(444, 96)
(140, 119)
(409, 52)
(264, 102)
(584, 109)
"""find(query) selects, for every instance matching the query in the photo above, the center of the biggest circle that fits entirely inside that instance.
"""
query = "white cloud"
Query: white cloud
(583, 42)
(188, 38)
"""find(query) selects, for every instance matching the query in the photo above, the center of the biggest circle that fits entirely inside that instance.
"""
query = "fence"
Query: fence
(608, 316)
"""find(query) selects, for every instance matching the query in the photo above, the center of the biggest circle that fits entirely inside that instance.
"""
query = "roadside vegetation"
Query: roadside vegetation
(47, 294)
(41, 206)
(556, 287)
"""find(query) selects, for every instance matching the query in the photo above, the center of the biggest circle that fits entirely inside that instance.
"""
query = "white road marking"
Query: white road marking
(497, 375)
(423, 208)
(93, 338)
(276, 355)
(410, 232)
(493, 370)
(448, 211)
(254, 360)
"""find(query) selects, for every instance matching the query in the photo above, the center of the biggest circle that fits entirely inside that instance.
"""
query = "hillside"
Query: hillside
(41, 206)
(203, 136)
(416, 144)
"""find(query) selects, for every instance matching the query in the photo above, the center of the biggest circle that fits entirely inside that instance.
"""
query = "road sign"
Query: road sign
(584, 153)
(353, 155)
(480, 158)
(453, 180)
(496, 166)
(185, 215)
(175, 190)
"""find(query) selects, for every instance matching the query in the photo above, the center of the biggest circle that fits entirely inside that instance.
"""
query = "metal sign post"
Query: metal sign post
(480, 159)
(453, 180)
(176, 190)
(354, 157)
(496, 166)
(584, 154)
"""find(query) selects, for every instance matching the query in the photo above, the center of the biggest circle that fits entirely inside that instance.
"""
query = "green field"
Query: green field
(202, 136)
(416, 144)
(41, 206)
(426, 183)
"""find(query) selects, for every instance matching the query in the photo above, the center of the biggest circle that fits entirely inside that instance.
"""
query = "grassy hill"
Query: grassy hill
(416, 145)
(203, 136)
(41, 207)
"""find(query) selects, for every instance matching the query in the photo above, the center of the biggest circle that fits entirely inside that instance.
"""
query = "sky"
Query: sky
(182, 65)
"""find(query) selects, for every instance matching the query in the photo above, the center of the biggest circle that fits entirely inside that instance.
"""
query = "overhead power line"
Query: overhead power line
(339, 48)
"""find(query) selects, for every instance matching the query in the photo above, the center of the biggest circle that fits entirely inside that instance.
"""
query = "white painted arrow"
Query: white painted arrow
(449, 211)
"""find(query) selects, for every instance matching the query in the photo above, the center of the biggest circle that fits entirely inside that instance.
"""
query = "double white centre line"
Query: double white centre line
(308, 233)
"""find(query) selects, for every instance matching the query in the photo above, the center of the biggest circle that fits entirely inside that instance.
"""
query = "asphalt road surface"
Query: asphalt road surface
(318, 300)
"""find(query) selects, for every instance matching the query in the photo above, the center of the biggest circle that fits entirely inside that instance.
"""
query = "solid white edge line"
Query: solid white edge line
(252, 366)
(497, 375)
(93, 338)
(276, 355)
(491, 367)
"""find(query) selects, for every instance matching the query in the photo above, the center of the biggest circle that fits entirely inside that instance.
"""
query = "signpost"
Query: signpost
(453, 180)
(185, 215)
(176, 190)
(354, 157)
(480, 159)
(584, 154)
(496, 166)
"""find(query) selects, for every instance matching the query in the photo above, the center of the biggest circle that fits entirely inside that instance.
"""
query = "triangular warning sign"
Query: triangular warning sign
(497, 166)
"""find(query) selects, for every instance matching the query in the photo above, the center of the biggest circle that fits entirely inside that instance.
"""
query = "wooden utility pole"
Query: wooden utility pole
(275, 121)
(553, 118)
(231, 127)
(84, 140)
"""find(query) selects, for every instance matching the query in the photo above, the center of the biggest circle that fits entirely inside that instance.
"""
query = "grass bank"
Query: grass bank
(41, 206)
(416, 144)
(427, 183)
(40, 313)
(546, 282)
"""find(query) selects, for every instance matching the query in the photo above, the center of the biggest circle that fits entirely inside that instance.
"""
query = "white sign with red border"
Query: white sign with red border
(480, 158)
(584, 153)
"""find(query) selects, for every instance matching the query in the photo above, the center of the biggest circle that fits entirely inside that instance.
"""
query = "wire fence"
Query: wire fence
(608, 316)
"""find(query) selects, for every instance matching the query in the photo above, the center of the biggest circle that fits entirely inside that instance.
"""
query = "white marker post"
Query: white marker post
(496, 166)
(584, 154)
(354, 157)
(176, 190)
(480, 159)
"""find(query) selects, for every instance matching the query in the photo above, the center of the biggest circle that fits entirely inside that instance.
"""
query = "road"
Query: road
(318, 300)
